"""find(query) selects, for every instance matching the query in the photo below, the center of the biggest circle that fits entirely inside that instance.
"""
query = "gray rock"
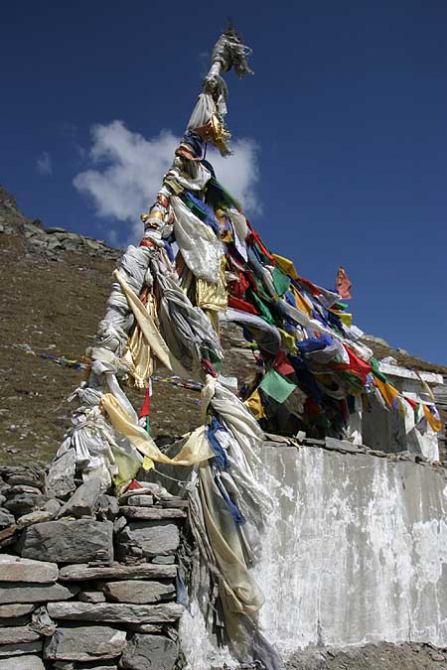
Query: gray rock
(92, 597)
(6, 519)
(22, 663)
(41, 622)
(2, 499)
(156, 539)
(85, 643)
(108, 507)
(60, 479)
(152, 628)
(11, 611)
(8, 650)
(146, 652)
(36, 593)
(164, 560)
(39, 516)
(52, 505)
(55, 229)
(138, 591)
(119, 524)
(115, 612)
(24, 503)
(8, 536)
(26, 478)
(68, 541)
(103, 666)
(16, 621)
(140, 501)
(15, 569)
(84, 500)
(151, 513)
(17, 635)
(22, 488)
(79, 573)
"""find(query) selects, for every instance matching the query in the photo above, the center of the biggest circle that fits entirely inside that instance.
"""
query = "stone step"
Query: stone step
(152, 513)
(85, 643)
(35, 593)
(115, 612)
(22, 663)
(15, 569)
(79, 573)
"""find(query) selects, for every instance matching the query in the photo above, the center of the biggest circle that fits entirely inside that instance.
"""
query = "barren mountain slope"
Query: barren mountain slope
(53, 290)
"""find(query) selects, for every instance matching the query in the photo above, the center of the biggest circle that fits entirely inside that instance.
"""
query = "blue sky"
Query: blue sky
(340, 137)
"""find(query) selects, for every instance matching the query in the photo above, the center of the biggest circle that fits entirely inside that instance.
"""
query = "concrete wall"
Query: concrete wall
(356, 551)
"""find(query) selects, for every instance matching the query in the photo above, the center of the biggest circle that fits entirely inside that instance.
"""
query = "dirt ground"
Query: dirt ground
(382, 656)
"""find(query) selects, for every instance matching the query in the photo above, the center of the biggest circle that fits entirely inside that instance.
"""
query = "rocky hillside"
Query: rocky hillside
(53, 289)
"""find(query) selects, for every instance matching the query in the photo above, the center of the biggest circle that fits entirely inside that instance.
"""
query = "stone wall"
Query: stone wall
(87, 583)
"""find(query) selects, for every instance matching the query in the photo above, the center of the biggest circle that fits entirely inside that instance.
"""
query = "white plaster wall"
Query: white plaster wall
(356, 552)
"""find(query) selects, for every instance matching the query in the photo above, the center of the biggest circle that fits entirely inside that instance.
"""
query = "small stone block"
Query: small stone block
(22, 663)
(140, 501)
(15, 569)
(115, 612)
(85, 643)
(146, 652)
(79, 573)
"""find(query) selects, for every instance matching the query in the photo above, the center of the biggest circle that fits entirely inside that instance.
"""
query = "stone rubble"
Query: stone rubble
(87, 583)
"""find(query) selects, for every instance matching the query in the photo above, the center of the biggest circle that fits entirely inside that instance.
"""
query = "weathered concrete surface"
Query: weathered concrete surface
(355, 552)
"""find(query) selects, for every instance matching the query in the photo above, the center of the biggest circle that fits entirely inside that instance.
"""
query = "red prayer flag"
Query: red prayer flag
(343, 284)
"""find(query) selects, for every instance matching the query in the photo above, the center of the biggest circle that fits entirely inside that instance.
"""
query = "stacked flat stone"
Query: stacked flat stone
(87, 583)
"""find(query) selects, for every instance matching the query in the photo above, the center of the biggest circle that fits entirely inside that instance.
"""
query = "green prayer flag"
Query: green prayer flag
(276, 386)
(281, 282)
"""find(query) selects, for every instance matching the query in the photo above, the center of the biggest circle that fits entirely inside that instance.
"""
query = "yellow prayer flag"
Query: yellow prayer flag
(254, 404)
(286, 266)
(389, 393)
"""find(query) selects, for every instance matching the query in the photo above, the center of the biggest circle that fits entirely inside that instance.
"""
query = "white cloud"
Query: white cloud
(44, 164)
(127, 170)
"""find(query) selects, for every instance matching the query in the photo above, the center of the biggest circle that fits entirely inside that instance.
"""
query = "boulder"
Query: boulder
(115, 612)
(138, 591)
(85, 643)
(84, 500)
(34, 593)
(68, 541)
(146, 652)
(15, 569)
